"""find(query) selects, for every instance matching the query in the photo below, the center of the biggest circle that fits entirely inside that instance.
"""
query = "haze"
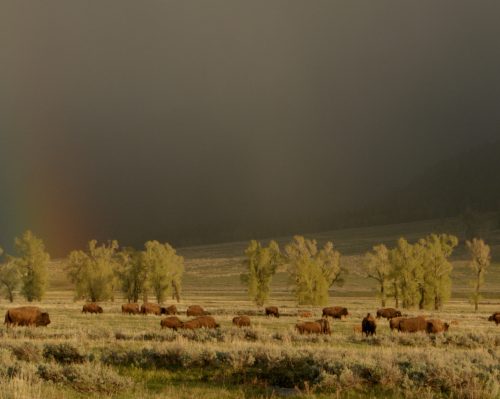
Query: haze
(198, 121)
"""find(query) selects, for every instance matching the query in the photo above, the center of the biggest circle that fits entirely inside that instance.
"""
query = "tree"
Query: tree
(313, 271)
(132, 273)
(379, 268)
(261, 263)
(93, 272)
(164, 270)
(32, 264)
(9, 276)
(437, 268)
(406, 273)
(480, 260)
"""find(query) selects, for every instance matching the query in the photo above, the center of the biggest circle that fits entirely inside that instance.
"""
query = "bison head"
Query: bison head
(491, 318)
(398, 313)
(43, 319)
(446, 326)
(99, 309)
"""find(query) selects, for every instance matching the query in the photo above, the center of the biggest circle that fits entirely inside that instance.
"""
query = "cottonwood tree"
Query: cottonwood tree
(9, 276)
(406, 273)
(480, 260)
(132, 273)
(379, 268)
(313, 271)
(32, 265)
(93, 272)
(164, 270)
(260, 263)
(437, 268)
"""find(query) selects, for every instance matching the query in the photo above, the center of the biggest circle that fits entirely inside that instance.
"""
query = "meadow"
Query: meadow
(123, 356)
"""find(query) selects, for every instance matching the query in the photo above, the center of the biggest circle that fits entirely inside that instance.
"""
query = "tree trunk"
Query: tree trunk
(382, 294)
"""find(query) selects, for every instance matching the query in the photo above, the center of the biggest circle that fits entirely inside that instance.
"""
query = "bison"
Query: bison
(91, 307)
(153, 308)
(26, 316)
(336, 312)
(195, 310)
(495, 317)
(435, 326)
(272, 311)
(130, 308)
(412, 324)
(321, 326)
(172, 309)
(200, 322)
(241, 321)
(369, 325)
(172, 322)
(394, 323)
(388, 313)
(305, 313)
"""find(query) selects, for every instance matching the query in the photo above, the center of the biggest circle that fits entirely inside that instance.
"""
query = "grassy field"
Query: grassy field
(114, 355)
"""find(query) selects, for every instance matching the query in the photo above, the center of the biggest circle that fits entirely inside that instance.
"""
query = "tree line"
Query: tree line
(97, 272)
(413, 275)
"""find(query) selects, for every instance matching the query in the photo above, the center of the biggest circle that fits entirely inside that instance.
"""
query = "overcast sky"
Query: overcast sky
(137, 120)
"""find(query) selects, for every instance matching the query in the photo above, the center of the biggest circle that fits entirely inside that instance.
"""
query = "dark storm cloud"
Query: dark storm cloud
(183, 120)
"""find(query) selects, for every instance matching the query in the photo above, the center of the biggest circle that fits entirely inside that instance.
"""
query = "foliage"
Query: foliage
(261, 263)
(164, 270)
(93, 272)
(480, 260)
(32, 265)
(9, 276)
(437, 268)
(378, 267)
(131, 273)
(313, 271)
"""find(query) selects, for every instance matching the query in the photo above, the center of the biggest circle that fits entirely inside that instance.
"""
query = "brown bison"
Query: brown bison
(305, 313)
(200, 322)
(272, 311)
(321, 326)
(91, 307)
(26, 316)
(369, 325)
(394, 323)
(336, 312)
(241, 321)
(435, 326)
(172, 322)
(195, 310)
(388, 313)
(130, 308)
(412, 324)
(172, 309)
(151, 308)
(495, 317)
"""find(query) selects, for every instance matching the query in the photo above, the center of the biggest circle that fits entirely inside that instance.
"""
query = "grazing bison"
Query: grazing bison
(172, 309)
(272, 311)
(200, 322)
(241, 321)
(435, 326)
(91, 307)
(369, 325)
(26, 316)
(305, 313)
(172, 322)
(195, 310)
(321, 326)
(394, 323)
(495, 317)
(131, 308)
(388, 313)
(413, 324)
(336, 312)
(153, 308)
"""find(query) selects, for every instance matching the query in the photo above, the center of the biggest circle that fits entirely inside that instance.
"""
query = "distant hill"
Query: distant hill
(469, 181)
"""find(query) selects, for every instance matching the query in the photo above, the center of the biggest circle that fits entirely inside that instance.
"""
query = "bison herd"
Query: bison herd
(33, 316)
